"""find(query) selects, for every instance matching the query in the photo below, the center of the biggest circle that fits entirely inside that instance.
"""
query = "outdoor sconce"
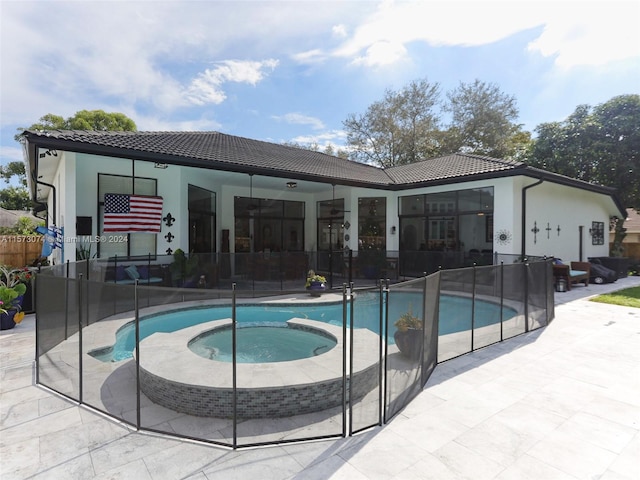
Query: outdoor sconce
(160, 165)
(292, 184)
(393, 230)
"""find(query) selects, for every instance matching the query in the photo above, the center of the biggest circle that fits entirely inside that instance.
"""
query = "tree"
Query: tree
(599, 145)
(13, 169)
(482, 121)
(17, 198)
(401, 128)
(83, 120)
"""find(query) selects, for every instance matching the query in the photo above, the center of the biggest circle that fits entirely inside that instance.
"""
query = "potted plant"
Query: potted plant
(409, 335)
(183, 267)
(10, 305)
(315, 283)
(18, 279)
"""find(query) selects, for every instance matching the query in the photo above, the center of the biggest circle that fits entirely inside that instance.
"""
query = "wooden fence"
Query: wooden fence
(20, 250)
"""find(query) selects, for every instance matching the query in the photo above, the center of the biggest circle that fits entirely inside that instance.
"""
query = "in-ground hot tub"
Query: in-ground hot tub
(175, 377)
(274, 342)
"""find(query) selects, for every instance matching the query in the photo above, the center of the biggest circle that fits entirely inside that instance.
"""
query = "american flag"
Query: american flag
(132, 213)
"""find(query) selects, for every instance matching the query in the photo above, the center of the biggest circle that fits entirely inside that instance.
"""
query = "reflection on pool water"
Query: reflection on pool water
(261, 344)
(455, 316)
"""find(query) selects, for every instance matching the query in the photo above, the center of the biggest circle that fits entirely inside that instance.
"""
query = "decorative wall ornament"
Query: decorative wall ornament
(558, 229)
(503, 237)
(169, 237)
(169, 219)
(169, 251)
(347, 224)
(535, 231)
(548, 229)
(597, 233)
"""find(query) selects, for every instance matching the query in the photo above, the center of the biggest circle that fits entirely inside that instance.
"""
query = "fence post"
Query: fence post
(234, 366)
(473, 305)
(384, 314)
(136, 309)
(346, 396)
(80, 386)
(526, 294)
(501, 301)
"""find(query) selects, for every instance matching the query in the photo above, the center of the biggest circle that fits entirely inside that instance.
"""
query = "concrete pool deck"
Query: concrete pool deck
(561, 402)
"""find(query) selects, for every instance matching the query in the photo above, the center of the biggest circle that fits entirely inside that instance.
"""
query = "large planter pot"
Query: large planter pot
(6, 320)
(409, 342)
(316, 288)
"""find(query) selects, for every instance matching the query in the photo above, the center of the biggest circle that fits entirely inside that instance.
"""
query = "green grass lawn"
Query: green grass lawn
(629, 297)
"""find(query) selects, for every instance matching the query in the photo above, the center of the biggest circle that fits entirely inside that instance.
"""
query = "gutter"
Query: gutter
(524, 215)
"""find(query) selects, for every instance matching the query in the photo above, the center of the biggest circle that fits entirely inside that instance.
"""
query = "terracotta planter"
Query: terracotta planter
(409, 342)
(6, 320)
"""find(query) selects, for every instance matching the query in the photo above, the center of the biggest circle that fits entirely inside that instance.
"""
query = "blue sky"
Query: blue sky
(293, 71)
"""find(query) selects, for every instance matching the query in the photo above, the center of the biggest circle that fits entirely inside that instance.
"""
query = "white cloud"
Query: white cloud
(382, 53)
(207, 86)
(590, 34)
(300, 119)
(339, 31)
(310, 56)
(576, 33)
(326, 138)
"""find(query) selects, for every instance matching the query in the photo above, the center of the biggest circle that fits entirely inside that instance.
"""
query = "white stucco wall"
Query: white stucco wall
(551, 206)
(548, 204)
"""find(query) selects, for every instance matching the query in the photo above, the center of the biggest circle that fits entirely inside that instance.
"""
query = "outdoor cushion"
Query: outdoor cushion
(575, 273)
(143, 270)
(132, 271)
(121, 274)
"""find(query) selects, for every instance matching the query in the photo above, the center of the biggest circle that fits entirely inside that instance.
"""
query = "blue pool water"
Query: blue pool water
(455, 316)
(264, 344)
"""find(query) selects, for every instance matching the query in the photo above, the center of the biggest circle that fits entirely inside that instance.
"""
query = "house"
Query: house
(223, 193)
(631, 242)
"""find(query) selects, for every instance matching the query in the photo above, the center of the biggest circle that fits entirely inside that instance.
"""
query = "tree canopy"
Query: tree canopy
(599, 145)
(17, 198)
(406, 125)
(98, 120)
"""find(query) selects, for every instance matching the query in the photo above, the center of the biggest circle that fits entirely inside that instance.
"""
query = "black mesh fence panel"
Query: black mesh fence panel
(487, 327)
(290, 366)
(537, 286)
(365, 392)
(109, 376)
(405, 344)
(513, 309)
(185, 363)
(456, 313)
(57, 338)
(196, 373)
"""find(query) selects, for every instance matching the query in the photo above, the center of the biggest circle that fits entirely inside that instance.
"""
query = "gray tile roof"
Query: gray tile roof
(219, 150)
(450, 166)
(216, 150)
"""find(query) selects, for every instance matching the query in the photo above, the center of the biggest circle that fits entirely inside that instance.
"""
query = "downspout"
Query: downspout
(524, 215)
(35, 193)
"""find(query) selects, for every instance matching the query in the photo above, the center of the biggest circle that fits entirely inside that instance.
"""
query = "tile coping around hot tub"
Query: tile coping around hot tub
(167, 355)
(177, 378)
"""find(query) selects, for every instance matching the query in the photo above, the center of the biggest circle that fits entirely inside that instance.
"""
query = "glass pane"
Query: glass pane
(441, 202)
(243, 235)
(141, 244)
(294, 235)
(293, 209)
(201, 199)
(331, 208)
(412, 205)
(269, 236)
(271, 208)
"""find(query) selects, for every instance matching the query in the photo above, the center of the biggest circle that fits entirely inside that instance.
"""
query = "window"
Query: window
(268, 225)
(137, 244)
(372, 223)
(202, 220)
(597, 233)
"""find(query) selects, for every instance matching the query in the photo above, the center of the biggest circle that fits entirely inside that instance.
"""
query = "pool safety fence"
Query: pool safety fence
(389, 338)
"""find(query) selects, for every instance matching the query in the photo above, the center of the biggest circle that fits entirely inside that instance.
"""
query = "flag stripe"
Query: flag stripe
(132, 213)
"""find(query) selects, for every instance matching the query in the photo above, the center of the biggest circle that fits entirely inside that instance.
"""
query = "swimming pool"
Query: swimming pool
(455, 316)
